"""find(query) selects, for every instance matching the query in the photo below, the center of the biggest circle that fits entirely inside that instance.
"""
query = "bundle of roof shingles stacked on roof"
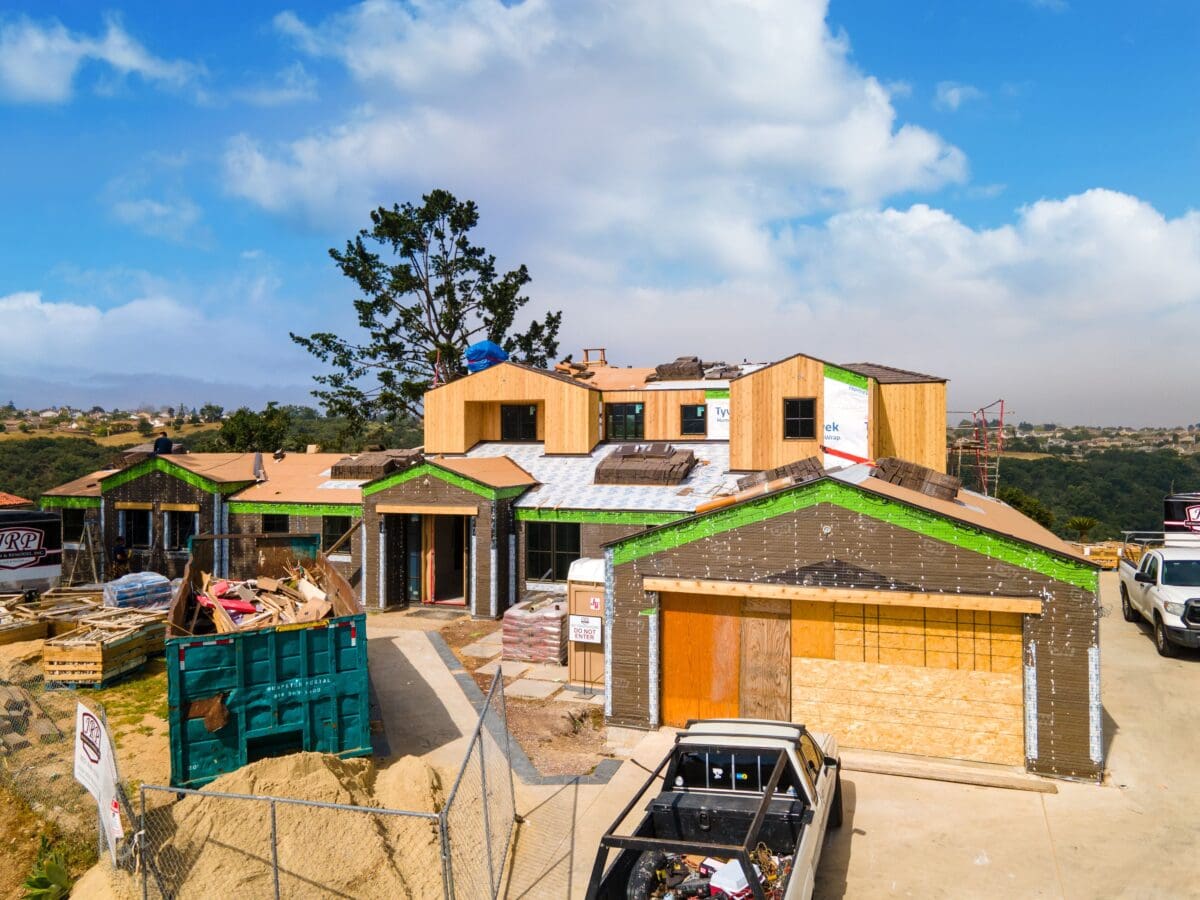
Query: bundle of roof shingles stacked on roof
(645, 464)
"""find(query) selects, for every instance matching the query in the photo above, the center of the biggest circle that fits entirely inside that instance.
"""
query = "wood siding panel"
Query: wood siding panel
(904, 709)
(701, 639)
(661, 411)
(756, 411)
(765, 677)
(910, 422)
(463, 413)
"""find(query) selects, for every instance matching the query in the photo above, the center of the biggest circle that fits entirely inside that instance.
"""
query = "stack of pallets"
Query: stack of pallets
(106, 645)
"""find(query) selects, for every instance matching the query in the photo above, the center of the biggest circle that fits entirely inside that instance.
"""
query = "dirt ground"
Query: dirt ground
(560, 738)
(18, 843)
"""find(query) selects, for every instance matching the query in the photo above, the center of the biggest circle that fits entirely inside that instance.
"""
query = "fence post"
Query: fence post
(487, 819)
(447, 864)
(274, 851)
(142, 844)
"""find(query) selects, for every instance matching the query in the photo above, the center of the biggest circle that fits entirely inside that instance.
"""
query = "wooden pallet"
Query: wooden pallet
(153, 625)
(22, 630)
(93, 655)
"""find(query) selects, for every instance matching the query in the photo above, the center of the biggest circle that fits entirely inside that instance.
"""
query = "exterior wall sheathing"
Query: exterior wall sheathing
(434, 491)
(803, 529)
(241, 552)
(156, 487)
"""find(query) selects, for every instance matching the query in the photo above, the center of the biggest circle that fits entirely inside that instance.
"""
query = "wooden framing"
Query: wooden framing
(661, 414)
(178, 507)
(425, 509)
(132, 504)
(462, 413)
(986, 602)
(909, 421)
(756, 413)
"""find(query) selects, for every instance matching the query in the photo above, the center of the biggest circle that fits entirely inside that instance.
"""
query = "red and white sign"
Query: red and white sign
(586, 629)
(96, 770)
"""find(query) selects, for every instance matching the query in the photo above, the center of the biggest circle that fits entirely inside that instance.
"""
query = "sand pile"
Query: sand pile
(224, 846)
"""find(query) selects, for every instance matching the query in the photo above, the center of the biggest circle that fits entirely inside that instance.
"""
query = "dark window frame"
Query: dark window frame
(171, 529)
(273, 527)
(525, 426)
(796, 420)
(328, 538)
(72, 533)
(145, 516)
(699, 416)
(630, 413)
(551, 547)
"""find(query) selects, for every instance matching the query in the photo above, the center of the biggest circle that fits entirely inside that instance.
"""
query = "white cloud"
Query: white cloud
(39, 62)
(174, 219)
(950, 95)
(293, 84)
(684, 129)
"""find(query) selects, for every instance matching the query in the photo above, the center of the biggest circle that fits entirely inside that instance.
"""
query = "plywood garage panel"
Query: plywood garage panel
(765, 689)
(812, 629)
(701, 652)
(960, 714)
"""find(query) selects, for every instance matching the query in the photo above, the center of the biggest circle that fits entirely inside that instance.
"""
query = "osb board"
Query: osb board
(909, 421)
(812, 629)
(701, 650)
(959, 714)
(459, 413)
(765, 677)
(756, 412)
(661, 414)
(917, 636)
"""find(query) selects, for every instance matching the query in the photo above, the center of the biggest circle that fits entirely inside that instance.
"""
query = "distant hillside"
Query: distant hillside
(1122, 489)
(30, 467)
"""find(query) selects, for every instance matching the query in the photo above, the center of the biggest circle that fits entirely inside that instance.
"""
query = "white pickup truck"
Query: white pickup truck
(1164, 589)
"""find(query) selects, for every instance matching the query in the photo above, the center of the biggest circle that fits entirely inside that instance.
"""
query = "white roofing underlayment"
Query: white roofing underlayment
(565, 482)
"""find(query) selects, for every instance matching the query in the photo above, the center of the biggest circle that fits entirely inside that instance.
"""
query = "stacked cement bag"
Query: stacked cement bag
(138, 589)
(535, 630)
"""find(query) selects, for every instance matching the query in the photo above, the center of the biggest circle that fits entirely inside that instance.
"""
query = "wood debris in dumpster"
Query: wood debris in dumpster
(299, 596)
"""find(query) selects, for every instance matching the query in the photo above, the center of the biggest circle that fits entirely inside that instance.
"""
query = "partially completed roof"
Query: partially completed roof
(86, 486)
(497, 472)
(301, 478)
(223, 468)
(890, 375)
(566, 482)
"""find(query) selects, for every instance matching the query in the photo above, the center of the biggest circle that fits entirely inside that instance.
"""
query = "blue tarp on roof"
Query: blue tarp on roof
(483, 355)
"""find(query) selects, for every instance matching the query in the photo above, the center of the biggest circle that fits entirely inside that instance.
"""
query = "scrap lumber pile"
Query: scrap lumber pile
(917, 478)
(55, 612)
(22, 721)
(693, 368)
(800, 471)
(645, 464)
(535, 630)
(108, 643)
(300, 596)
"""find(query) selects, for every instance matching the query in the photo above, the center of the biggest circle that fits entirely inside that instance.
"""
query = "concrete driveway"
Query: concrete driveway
(1134, 836)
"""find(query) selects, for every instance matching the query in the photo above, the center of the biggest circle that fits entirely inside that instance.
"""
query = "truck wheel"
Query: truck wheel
(1127, 610)
(1162, 643)
(835, 812)
(643, 877)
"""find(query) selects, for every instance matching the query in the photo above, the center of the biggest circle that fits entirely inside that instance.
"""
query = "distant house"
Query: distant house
(12, 501)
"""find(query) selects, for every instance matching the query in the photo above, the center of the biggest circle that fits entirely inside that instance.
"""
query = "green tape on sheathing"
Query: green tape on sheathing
(71, 502)
(717, 394)
(459, 481)
(158, 464)
(939, 528)
(599, 516)
(295, 509)
(845, 376)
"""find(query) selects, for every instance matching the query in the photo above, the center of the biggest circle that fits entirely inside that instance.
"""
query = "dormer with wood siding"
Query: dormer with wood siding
(561, 413)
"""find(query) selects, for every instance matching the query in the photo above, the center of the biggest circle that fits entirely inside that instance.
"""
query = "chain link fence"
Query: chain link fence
(197, 843)
(37, 734)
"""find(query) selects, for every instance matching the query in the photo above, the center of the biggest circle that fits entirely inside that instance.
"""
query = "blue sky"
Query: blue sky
(982, 190)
